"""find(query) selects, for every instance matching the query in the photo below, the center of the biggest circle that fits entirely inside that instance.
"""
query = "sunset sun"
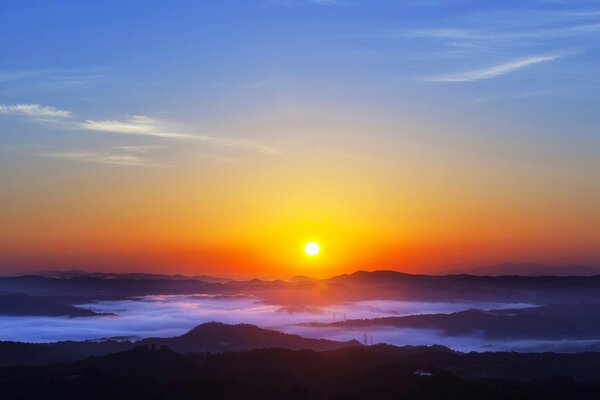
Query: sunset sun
(311, 249)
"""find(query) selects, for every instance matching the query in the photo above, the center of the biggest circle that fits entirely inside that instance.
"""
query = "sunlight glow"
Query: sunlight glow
(311, 249)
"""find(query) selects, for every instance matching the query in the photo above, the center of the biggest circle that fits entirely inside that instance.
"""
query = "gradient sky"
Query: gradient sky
(219, 137)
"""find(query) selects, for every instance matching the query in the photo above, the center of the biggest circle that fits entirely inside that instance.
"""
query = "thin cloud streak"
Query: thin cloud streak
(244, 143)
(33, 110)
(491, 72)
(12, 76)
(136, 125)
(51, 79)
(497, 35)
(99, 158)
(148, 126)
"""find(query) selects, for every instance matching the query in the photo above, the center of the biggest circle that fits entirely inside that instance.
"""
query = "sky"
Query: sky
(218, 138)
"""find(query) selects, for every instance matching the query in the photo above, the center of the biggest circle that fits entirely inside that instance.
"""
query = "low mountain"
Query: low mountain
(209, 337)
(216, 337)
(554, 321)
(15, 353)
(19, 304)
(532, 269)
(129, 275)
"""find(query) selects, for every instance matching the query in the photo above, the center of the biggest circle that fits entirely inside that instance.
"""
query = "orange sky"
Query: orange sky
(398, 202)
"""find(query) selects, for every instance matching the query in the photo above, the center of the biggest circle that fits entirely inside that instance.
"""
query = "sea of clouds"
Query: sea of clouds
(166, 316)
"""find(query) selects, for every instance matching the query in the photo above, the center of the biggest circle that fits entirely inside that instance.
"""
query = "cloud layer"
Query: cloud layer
(101, 158)
(174, 315)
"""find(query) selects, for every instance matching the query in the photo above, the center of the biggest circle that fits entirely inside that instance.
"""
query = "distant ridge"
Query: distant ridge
(548, 322)
(18, 304)
(532, 269)
(75, 273)
(357, 286)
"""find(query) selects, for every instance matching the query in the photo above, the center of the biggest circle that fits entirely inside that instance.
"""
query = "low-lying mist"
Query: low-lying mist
(165, 316)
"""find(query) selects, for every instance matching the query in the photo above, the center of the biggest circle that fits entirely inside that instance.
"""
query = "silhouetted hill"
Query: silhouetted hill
(378, 372)
(103, 288)
(357, 286)
(215, 336)
(131, 275)
(534, 270)
(556, 321)
(19, 304)
(209, 337)
(15, 353)
(141, 360)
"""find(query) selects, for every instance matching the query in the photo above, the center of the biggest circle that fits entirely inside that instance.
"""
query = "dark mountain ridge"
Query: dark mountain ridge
(377, 372)
(360, 285)
(208, 337)
(532, 269)
(553, 322)
(18, 304)
(216, 337)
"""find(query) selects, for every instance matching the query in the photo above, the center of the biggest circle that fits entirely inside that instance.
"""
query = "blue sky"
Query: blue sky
(232, 57)
(515, 68)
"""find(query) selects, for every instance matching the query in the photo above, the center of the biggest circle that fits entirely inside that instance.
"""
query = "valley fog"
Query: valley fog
(167, 316)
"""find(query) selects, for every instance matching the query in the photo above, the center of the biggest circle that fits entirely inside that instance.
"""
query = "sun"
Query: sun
(311, 249)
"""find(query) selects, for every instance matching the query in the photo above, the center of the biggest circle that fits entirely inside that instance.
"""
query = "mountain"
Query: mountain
(18, 304)
(15, 353)
(208, 337)
(358, 286)
(103, 288)
(377, 372)
(534, 270)
(131, 275)
(216, 336)
(550, 322)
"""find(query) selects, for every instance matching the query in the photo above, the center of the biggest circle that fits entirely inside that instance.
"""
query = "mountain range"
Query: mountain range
(550, 322)
(208, 337)
(350, 373)
(306, 292)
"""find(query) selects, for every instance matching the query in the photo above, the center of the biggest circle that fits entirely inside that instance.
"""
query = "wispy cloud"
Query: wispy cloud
(245, 143)
(12, 76)
(33, 110)
(139, 149)
(51, 78)
(498, 35)
(148, 126)
(491, 72)
(137, 125)
(100, 158)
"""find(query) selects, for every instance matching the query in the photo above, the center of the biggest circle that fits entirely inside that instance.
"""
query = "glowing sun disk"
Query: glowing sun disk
(311, 249)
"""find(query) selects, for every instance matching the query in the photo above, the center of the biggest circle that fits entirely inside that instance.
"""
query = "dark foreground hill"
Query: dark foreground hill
(208, 337)
(379, 372)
